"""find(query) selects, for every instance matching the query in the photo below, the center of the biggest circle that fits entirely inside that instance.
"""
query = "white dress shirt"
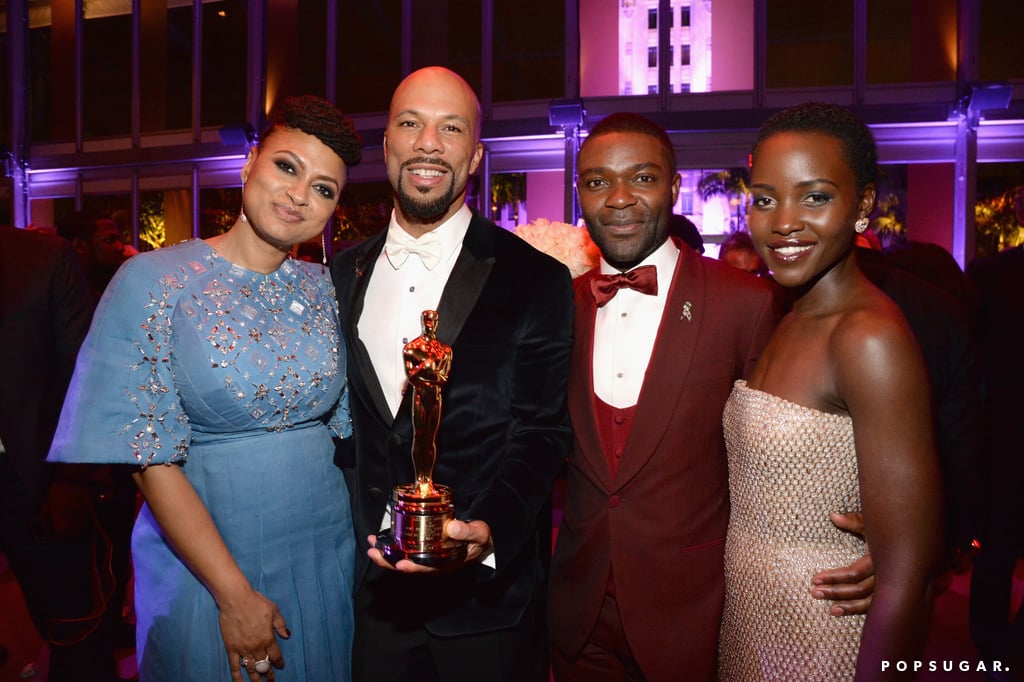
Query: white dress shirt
(396, 298)
(625, 330)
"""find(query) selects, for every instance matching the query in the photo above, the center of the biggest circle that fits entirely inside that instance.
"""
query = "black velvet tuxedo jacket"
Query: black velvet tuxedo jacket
(659, 525)
(507, 312)
(46, 304)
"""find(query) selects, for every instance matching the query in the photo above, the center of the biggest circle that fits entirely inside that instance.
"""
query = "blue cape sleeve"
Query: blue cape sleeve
(122, 405)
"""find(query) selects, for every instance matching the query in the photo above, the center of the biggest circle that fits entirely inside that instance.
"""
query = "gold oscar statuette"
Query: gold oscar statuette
(421, 510)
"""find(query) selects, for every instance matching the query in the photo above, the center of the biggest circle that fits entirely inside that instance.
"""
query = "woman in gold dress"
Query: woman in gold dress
(834, 418)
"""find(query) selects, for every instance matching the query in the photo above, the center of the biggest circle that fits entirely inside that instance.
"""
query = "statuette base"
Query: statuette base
(417, 529)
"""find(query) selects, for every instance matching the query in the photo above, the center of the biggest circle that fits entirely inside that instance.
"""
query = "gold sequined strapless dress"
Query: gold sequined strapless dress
(789, 467)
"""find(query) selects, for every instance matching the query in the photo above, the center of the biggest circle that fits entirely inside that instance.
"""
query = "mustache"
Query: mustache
(427, 160)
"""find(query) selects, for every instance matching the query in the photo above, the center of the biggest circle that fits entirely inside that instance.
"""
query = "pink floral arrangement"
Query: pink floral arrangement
(567, 243)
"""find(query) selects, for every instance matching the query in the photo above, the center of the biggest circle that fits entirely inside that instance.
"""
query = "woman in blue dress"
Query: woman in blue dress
(218, 368)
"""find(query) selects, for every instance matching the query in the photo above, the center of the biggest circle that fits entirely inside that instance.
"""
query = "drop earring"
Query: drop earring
(859, 226)
(323, 246)
(242, 212)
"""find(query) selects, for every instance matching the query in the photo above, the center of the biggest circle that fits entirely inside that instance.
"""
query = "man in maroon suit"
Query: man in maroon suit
(661, 334)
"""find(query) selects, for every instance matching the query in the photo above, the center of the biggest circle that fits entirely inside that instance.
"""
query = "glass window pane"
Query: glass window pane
(117, 207)
(889, 215)
(1002, 50)
(311, 77)
(529, 50)
(107, 74)
(218, 210)
(165, 218)
(464, 40)
(723, 195)
(369, 53)
(910, 42)
(224, 63)
(691, 39)
(888, 49)
(999, 207)
(810, 44)
(166, 68)
(43, 87)
(57, 209)
(364, 209)
(508, 199)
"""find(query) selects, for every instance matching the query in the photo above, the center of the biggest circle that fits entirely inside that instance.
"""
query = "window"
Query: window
(369, 61)
(652, 57)
(809, 45)
(529, 54)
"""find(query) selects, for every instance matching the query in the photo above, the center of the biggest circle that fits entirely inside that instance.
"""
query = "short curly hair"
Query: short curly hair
(317, 117)
(629, 122)
(854, 137)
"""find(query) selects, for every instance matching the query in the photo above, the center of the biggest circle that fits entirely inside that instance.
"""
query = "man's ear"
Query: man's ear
(478, 154)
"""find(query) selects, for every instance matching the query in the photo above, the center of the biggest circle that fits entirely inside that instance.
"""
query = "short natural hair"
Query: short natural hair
(628, 122)
(854, 137)
(317, 117)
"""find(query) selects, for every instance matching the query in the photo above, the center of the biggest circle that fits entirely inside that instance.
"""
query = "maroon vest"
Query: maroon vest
(613, 425)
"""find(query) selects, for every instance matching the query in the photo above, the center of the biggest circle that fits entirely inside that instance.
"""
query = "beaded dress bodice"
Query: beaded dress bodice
(190, 348)
(789, 467)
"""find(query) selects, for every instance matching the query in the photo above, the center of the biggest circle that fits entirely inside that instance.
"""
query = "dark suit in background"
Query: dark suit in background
(942, 327)
(1000, 329)
(507, 313)
(46, 304)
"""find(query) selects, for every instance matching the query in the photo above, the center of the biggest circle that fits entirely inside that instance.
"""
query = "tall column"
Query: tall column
(966, 162)
(17, 96)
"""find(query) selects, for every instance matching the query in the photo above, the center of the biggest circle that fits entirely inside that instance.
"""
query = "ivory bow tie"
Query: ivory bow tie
(399, 245)
(644, 279)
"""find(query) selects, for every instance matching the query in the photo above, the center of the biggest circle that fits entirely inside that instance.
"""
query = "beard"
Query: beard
(625, 253)
(425, 210)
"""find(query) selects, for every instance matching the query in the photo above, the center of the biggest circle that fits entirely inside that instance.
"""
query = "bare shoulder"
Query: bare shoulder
(873, 346)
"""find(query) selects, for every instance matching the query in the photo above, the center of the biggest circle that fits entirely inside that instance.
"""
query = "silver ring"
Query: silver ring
(244, 662)
(262, 666)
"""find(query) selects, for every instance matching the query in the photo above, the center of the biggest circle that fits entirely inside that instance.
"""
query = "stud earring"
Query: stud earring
(860, 225)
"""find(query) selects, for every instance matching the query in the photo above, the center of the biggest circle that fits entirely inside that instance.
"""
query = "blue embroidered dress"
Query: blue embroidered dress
(240, 378)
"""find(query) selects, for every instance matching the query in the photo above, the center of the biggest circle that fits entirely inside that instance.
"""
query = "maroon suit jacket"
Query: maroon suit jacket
(660, 525)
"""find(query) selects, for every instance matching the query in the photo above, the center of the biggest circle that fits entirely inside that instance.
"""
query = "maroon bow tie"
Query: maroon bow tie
(644, 279)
